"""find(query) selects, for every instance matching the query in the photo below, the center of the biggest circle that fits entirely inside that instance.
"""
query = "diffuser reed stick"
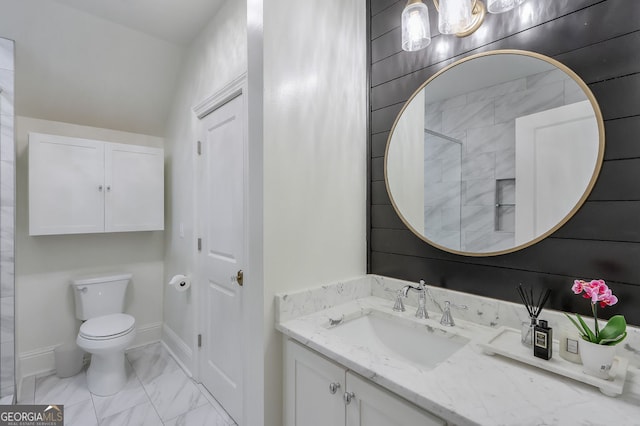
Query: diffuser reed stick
(534, 307)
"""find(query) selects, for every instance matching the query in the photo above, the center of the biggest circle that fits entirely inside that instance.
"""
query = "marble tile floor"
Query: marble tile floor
(158, 393)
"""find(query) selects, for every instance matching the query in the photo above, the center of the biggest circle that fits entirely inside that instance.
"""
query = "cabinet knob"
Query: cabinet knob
(109, 188)
(347, 397)
(333, 387)
(100, 188)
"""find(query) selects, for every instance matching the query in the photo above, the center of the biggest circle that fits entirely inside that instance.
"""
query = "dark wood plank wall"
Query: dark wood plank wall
(599, 40)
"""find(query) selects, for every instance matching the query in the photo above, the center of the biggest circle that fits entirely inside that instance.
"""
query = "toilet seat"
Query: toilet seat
(107, 327)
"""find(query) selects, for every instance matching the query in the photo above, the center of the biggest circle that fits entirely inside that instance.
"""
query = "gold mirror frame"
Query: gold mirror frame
(598, 165)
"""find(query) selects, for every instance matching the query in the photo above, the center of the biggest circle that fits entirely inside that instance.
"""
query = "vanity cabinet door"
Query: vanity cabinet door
(309, 382)
(66, 185)
(370, 405)
(134, 188)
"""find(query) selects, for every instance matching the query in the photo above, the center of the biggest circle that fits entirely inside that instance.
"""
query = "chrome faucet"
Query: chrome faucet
(421, 312)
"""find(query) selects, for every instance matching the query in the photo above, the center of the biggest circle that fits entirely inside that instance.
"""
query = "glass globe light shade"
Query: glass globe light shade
(454, 16)
(416, 30)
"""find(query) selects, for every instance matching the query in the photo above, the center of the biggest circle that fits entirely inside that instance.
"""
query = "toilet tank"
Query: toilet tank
(100, 295)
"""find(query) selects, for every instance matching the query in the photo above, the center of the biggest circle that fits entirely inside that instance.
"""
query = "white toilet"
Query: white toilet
(106, 332)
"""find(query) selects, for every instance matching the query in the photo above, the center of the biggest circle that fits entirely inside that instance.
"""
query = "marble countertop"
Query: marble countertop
(469, 387)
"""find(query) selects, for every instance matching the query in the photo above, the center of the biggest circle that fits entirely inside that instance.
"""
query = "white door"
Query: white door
(134, 188)
(373, 406)
(221, 219)
(556, 154)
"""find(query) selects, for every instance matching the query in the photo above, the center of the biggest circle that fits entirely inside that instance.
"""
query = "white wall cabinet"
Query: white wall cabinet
(319, 392)
(79, 186)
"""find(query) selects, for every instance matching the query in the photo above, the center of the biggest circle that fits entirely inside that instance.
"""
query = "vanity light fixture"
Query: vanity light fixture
(459, 17)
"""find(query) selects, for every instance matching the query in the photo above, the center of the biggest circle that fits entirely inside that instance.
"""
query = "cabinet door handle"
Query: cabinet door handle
(100, 188)
(347, 397)
(333, 388)
(109, 188)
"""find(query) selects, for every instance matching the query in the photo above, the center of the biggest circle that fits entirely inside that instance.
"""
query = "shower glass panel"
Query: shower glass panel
(443, 189)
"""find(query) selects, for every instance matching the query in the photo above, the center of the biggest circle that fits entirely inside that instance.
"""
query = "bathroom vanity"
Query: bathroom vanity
(310, 401)
(350, 359)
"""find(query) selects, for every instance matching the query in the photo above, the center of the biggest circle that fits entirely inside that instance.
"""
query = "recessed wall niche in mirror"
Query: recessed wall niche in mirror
(494, 153)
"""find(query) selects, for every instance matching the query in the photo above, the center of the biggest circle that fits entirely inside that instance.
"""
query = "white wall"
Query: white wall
(254, 386)
(45, 309)
(216, 57)
(314, 156)
(77, 68)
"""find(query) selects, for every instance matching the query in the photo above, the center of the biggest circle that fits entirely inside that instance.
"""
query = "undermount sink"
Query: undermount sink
(401, 339)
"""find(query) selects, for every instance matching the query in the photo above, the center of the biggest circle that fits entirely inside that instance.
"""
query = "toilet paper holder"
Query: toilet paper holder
(180, 282)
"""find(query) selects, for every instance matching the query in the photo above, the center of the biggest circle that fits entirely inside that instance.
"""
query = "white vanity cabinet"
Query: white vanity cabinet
(319, 392)
(79, 186)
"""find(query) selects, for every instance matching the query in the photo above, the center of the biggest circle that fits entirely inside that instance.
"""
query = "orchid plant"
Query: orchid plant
(599, 293)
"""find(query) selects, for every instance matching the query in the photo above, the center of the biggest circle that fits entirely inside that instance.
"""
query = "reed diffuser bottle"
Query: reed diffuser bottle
(543, 341)
(534, 307)
(526, 333)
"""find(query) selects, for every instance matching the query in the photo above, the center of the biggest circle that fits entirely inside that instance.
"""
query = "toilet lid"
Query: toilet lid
(107, 326)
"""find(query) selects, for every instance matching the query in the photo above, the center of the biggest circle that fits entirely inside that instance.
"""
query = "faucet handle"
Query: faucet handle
(399, 304)
(454, 305)
(447, 318)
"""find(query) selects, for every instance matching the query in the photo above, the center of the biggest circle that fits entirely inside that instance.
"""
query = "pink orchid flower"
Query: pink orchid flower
(607, 299)
(591, 293)
(599, 285)
(578, 286)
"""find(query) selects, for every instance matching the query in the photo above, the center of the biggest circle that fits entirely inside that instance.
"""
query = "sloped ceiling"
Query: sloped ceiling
(175, 21)
(99, 63)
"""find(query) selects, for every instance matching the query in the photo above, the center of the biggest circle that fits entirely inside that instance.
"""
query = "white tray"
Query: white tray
(506, 342)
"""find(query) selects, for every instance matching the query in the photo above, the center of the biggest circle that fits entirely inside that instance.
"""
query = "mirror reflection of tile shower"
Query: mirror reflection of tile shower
(443, 189)
(505, 213)
(470, 159)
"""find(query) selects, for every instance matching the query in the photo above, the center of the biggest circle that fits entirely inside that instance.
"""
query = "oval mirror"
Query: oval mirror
(494, 153)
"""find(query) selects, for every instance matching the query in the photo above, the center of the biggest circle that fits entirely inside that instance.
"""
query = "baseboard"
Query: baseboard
(147, 334)
(178, 349)
(38, 362)
(41, 361)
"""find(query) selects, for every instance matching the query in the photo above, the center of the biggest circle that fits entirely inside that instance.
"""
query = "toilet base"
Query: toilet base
(107, 374)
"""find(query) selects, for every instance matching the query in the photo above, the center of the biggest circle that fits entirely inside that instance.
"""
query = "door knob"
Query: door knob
(239, 278)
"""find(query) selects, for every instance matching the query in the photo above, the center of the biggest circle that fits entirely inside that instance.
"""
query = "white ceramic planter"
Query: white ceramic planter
(596, 359)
